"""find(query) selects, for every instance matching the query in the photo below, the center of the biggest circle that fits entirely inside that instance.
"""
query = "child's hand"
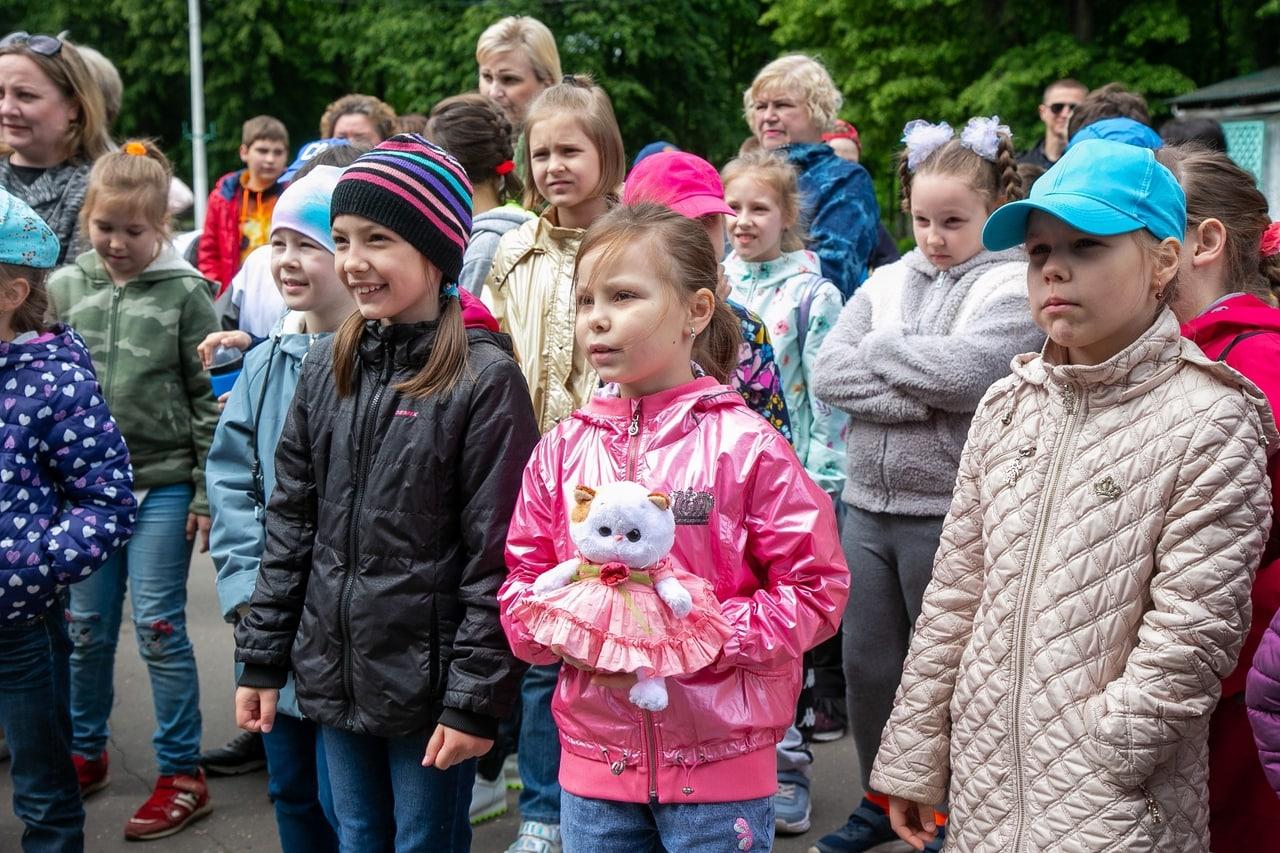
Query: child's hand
(675, 596)
(256, 708)
(200, 523)
(238, 340)
(912, 821)
(614, 680)
(448, 747)
(222, 401)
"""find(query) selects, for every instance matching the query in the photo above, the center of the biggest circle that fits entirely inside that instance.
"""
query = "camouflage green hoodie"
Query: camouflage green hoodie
(143, 338)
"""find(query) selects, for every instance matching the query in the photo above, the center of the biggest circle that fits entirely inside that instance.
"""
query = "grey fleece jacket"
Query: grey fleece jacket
(909, 359)
(486, 230)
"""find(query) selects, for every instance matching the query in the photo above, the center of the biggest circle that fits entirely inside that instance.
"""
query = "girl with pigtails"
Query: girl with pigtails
(909, 359)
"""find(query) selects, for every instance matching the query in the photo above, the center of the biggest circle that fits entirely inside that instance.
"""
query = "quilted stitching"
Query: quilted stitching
(1137, 608)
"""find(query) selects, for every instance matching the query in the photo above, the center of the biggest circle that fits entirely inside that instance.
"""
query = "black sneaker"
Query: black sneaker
(244, 754)
(830, 720)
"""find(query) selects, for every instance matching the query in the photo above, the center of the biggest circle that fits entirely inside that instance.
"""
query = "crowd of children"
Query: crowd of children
(1010, 493)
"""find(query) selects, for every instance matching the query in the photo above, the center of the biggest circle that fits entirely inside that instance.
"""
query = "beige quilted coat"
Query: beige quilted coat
(1090, 590)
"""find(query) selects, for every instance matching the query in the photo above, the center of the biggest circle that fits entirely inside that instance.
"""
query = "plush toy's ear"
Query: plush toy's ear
(660, 500)
(582, 497)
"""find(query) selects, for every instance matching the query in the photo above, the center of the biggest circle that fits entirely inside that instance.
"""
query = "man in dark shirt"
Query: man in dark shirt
(1060, 99)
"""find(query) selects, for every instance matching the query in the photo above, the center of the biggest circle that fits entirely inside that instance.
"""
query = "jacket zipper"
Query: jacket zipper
(1075, 415)
(117, 291)
(650, 734)
(353, 532)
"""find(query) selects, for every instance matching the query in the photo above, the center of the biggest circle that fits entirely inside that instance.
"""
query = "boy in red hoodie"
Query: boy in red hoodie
(238, 217)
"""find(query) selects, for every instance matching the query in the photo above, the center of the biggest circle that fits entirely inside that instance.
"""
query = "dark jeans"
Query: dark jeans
(35, 713)
(594, 826)
(385, 800)
(539, 746)
(890, 563)
(298, 784)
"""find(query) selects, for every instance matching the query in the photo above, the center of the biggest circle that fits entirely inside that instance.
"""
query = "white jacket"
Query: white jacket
(1091, 589)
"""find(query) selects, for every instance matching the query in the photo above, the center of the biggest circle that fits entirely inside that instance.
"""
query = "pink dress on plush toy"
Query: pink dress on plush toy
(623, 606)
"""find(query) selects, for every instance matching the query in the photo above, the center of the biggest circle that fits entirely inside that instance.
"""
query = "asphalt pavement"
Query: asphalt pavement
(242, 820)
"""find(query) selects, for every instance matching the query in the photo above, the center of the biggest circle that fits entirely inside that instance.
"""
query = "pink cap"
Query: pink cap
(683, 182)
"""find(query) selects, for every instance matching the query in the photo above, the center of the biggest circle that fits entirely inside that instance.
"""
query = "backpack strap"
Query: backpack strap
(1222, 356)
(808, 292)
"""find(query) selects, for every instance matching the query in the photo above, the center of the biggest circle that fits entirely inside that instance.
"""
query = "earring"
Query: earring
(693, 334)
(1160, 295)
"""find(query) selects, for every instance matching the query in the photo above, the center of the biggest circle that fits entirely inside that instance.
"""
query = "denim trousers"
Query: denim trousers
(539, 748)
(593, 826)
(298, 785)
(35, 716)
(385, 800)
(153, 567)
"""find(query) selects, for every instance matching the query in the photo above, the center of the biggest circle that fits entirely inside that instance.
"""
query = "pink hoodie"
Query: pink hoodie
(752, 523)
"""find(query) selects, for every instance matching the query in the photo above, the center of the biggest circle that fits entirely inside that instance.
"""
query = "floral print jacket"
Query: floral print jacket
(757, 377)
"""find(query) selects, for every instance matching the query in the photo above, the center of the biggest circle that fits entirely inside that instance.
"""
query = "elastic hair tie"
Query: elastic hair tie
(450, 291)
(135, 149)
(1270, 244)
(506, 167)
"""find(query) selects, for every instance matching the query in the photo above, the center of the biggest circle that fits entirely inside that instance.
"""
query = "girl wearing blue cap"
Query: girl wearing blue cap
(66, 505)
(1092, 584)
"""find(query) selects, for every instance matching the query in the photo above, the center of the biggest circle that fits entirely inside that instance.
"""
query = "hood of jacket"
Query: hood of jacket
(1088, 594)
(744, 510)
(500, 220)
(167, 265)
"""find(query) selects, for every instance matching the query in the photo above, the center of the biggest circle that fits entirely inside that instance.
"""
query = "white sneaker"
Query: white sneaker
(535, 837)
(488, 799)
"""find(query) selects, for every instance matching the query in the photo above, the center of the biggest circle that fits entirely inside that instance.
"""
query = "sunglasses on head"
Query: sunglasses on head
(43, 45)
(1057, 108)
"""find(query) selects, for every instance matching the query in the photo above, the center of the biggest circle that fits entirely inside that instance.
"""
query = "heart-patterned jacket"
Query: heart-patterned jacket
(66, 499)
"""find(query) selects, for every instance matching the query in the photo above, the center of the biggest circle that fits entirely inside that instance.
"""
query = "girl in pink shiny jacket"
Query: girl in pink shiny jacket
(748, 521)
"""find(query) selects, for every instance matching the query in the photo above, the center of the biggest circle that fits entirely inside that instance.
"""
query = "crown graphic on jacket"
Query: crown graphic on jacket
(691, 506)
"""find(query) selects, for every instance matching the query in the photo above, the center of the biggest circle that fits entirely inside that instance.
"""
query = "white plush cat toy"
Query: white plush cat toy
(622, 606)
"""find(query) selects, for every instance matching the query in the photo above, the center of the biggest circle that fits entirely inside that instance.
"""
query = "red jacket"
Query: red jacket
(220, 249)
(752, 523)
(1243, 813)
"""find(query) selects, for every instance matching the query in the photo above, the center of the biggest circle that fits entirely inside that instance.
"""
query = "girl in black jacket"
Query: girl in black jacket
(397, 472)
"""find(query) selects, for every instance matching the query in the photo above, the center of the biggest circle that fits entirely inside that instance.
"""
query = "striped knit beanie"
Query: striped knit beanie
(417, 190)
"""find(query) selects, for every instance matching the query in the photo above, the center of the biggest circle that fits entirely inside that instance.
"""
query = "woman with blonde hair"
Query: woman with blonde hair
(516, 60)
(54, 127)
(791, 102)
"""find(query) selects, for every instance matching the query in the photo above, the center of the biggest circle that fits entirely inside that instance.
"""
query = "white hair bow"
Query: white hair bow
(922, 138)
(982, 136)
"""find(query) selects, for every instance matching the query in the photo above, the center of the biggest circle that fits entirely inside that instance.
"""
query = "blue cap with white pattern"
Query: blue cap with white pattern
(25, 239)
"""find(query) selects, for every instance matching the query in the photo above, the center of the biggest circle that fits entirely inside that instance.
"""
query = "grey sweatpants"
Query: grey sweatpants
(890, 562)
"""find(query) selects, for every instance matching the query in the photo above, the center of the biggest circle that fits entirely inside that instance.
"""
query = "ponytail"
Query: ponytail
(444, 365)
(1269, 268)
(1010, 178)
(716, 349)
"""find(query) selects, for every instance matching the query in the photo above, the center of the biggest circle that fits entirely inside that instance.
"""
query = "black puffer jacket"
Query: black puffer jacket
(385, 537)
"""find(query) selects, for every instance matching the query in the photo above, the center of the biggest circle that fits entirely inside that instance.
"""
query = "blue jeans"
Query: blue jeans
(539, 748)
(298, 785)
(37, 722)
(385, 800)
(590, 826)
(154, 567)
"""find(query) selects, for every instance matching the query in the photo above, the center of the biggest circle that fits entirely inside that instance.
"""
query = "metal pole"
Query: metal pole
(199, 167)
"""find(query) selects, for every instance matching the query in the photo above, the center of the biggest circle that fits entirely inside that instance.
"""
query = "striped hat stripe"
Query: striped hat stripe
(434, 168)
(409, 188)
(378, 181)
(423, 168)
(405, 150)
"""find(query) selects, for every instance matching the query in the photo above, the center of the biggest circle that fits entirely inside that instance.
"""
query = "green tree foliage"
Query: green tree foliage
(674, 69)
(896, 60)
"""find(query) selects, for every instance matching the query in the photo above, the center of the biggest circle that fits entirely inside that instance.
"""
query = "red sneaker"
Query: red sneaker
(91, 773)
(177, 801)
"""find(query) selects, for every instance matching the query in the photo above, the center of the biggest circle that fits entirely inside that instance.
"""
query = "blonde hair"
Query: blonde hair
(775, 173)
(803, 77)
(87, 137)
(136, 178)
(687, 263)
(108, 79)
(520, 32)
(579, 96)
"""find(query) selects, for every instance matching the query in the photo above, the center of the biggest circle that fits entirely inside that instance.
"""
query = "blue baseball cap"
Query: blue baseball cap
(1119, 129)
(1098, 187)
(306, 153)
(25, 239)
